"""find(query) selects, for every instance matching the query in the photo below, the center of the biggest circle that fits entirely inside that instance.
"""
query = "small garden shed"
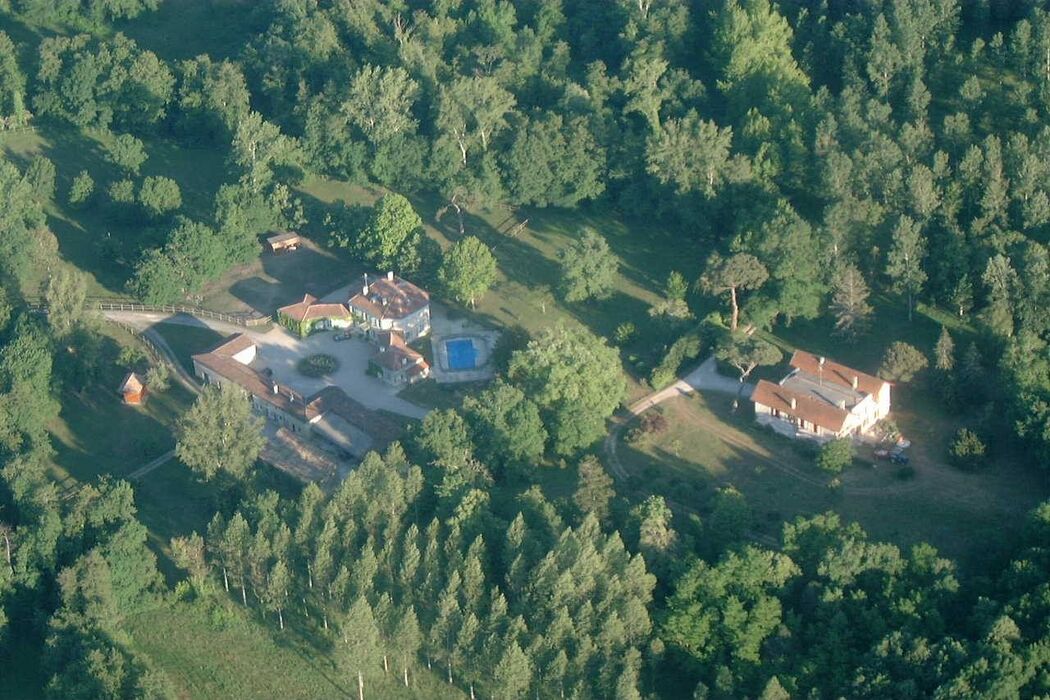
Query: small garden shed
(132, 389)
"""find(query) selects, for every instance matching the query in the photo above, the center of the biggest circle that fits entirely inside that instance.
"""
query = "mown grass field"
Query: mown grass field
(707, 446)
(219, 651)
(95, 433)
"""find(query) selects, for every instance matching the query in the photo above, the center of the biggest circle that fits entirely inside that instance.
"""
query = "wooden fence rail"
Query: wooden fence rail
(248, 320)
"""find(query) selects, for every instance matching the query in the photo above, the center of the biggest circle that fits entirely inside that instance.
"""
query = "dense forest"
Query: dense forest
(828, 155)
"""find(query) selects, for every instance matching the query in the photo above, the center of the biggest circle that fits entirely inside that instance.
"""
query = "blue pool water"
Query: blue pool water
(461, 354)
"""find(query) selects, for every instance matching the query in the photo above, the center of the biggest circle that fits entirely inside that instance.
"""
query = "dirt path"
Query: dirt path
(149, 467)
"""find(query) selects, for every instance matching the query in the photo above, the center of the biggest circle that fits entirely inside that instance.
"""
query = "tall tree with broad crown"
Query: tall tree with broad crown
(737, 273)
(219, 434)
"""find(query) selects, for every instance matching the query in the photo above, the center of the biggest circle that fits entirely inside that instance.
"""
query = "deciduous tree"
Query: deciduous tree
(588, 268)
(219, 434)
(738, 273)
(577, 381)
(66, 297)
(467, 270)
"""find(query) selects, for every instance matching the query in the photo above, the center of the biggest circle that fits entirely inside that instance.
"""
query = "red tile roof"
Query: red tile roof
(395, 354)
(131, 384)
(220, 361)
(835, 372)
(309, 309)
(390, 298)
(807, 407)
(230, 346)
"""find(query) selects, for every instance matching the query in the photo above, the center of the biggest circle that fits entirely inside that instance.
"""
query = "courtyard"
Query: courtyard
(279, 352)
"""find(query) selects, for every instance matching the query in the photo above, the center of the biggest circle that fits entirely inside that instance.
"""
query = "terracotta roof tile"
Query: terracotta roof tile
(807, 407)
(309, 308)
(396, 298)
(231, 345)
(131, 384)
(835, 372)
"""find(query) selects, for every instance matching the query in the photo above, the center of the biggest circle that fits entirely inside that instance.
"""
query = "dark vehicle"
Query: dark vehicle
(899, 458)
(341, 336)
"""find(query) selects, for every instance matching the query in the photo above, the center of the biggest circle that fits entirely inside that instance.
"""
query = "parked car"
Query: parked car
(341, 336)
(899, 458)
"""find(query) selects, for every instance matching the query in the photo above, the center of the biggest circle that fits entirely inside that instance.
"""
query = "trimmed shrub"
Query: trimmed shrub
(318, 365)
(967, 450)
(835, 455)
(652, 422)
(685, 348)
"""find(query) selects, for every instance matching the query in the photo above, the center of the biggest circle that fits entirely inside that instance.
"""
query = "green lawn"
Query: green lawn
(186, 341)
(218, 651)
(96, 238)
(95, 433)
(965, 515)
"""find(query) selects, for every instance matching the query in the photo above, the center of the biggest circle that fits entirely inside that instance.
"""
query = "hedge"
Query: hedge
(685, 348)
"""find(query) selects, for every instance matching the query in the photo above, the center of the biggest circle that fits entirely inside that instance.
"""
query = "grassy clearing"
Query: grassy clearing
(276, 280)
(707, 446)
(96, 238)
(95, 433)
(219, 651)
(186, 341)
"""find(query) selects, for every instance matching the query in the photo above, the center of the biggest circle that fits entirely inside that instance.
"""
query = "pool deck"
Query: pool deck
(443, 328)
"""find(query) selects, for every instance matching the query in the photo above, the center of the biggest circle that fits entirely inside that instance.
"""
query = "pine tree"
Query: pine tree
(849, 301)
(513, 674)
(360, 638)
(904, 262)
(594, 489)
(944, 351)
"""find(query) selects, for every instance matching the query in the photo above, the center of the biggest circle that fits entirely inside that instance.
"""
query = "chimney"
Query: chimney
(842, 404)
(855, 382)
(794, 403)
(390, 275)
(364, 289)
(275, 388)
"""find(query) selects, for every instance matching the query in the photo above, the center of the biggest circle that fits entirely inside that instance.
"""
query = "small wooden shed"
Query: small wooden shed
(285, 241)
(133, 389)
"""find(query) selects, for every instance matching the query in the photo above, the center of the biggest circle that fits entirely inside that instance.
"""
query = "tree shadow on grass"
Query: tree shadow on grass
(98, 434)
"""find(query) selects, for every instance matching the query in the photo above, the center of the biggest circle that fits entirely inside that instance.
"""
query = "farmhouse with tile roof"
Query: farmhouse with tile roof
(329, 414)
(392, 304)
(822, 399)
(395, 362)
(309, 315)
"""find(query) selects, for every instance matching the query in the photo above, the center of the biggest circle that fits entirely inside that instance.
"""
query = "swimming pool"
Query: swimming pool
(461, 354)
